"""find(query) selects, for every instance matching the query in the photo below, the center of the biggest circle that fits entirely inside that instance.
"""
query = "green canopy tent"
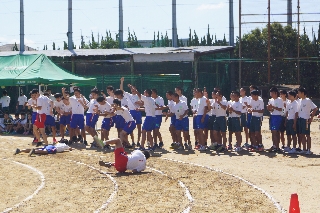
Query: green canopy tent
(38, 69)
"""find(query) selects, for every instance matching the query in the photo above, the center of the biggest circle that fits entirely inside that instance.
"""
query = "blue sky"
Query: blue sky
(46, 20)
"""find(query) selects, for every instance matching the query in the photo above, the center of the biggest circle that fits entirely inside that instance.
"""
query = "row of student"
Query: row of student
(16, 125)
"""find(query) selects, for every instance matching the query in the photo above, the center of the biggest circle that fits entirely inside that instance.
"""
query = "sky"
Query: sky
(46, 21)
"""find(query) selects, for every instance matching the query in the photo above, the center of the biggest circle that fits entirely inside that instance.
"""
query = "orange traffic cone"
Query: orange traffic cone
(294, 204)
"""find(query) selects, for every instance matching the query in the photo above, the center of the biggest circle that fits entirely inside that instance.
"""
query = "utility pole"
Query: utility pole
(298, 63)
(231, 24)
(289, 13)
(69, 34)
(174, 24)
(21, 26)
(269, 59)
(240, 44)
(121, 46)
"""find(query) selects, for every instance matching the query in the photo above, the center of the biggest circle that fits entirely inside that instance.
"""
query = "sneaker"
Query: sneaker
(98, 142)
(302, 152)
(298, 150)
(160, 144)
(230, 147)
(39, 144)
(106, 164)
(196, 143)
(221, 149)
(108, 147)
(180, 148)
(213, 146)
(85, 143)
(148, 144)
(272, 149)
(186, 145)
(238, 149)
(287, 149)
(260, 148)
(138, 144)
(246, 145)
(292, 151)
(17, 151)
(79, 139)
(35, 140)
(31, 152)
(153, 148)
(189, 146)
(54, 140)
(309, 152)
(202, 148)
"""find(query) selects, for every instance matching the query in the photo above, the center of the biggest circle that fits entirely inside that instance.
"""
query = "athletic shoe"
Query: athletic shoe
(260, 148)
(79, 139)
(196, 143)
(287, 149)
(85, 143)
(246, 145)
(298, 150)
(39, 144)
(148, 143)
(160, 144)
(302, 152)
(153, 148)
(107, 164)
(54, 140)
(238, 149)
(186, 145)
(138, 144)
(202, 148)
(189, 146)
(221, 149)
(98, 142)
(292, 151)
(31, 152)
(197, 146)
(17, 151)
(309, 152)
(230, 147)
(272, 149)
(180, 148)
(133, 145)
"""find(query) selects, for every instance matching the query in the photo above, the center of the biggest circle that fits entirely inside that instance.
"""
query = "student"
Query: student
(149, 122)
(49, 149)
(244, 100)
(235, 110)
(15, 122)
(307, 110)
(256, 108)
(119, 121)
(200, 119)
(91, 116)
(78, 104)
(19, 129)
(275, 106)
(104, 109)
(5, 101)
(159, 104)
(136, 162)
(220, 125)
(291, 122)
(32, 102)
(229, 122)
(7, 124)
(51, 97)
(178, 90)
(57, 104)
(21, 103)
(172, 129)
(282, 129)
(212, 117)
(65, 116)
(50, 120)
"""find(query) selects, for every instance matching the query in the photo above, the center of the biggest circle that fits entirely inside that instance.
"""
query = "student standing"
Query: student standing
(21, 103)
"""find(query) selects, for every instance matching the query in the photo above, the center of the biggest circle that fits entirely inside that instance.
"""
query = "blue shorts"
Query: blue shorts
(236, 124)
(136, 116)
(275, 122)
(255, 124)
(243, 120)
(50, 121)
(107, 123)
(65, 120)
(50, 149)
(77, 120)
(304, 127)
(282, 126)
(149, 123)
(206, 120)
(211, 120)
(182, 124)
(91, 119)
(158, 121)
(129, 127)
(34, 117)
(249, 116)
(194, 122)
(119, 121)
(220, 124)
(199, 124)
(289, 128)
(173, 120)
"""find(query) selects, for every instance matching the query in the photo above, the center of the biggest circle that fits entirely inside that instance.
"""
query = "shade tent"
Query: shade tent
(37, 69)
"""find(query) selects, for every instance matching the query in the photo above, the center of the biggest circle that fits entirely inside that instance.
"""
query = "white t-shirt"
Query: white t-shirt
(5, 101)
(292, 109)
(220, 112)
(149, 105)
(131, 100)
(51, 97)
(66, 108)
(212, 111)
(180, 108)
(32, 102)
(61, 147)
(194, 104)
(77, 107)
(22, 100)
(183, 98)
(44, 102)
(284, 109)
(242, 101)
(236, 106)
(276, 103)
(92, 105)
(110, 99)
(171, 104)
(58, 104)
(136, 161)
(305, 107)
(257, 105)
(124, 102)
(105, 108)
(23, 121)
(202, 103)
(160, 102)
(125, 114)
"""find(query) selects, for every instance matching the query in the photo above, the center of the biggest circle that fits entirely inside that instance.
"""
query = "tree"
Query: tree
(65, 45)
(54, 46)
(15, 47)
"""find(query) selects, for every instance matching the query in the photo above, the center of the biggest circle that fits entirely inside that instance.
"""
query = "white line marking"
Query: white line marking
(274, 201)
(34, 193)
(115, 189)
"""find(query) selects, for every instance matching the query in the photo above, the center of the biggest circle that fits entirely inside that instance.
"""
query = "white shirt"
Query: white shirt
(292, 109)
(220, 112)
(202, 103)
(92, 105)
(32, 102)
(61, 147)
(136, 161)
(58, 104)
(257, 105)
(276, 103)
(194, 104)
(305, 107)
(105, 108)
(23, 121)
(160, 102)
(77, 107)
(131, 99)
(284, 108)
(44, 102)
(125, 114)
(48, 110)
(212, 111)
(183, 98)
(124, 102)
(5, 101)
(236, 106)
(66, 108)
(180, 108)
(149, 105)
(51, 97)
(22, 100)
(171, 104)
(242, 101)
(110, 99)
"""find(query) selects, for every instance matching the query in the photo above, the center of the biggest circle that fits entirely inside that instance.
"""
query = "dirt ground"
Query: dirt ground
(74, 182)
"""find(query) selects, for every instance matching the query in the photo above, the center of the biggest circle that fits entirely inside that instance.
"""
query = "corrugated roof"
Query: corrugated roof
(125, 51)
(9, 47)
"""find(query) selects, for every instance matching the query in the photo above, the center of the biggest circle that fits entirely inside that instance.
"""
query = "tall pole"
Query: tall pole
(21, 26)
(174, 24)
(298, 64)
(120, 25)
(269, 60)
(70, 42)
(240, 44)
(289, 12)
(231, 24)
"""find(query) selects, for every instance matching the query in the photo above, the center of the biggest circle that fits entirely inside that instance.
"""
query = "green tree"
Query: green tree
(15, 47)
(65, 45)
(54, 46)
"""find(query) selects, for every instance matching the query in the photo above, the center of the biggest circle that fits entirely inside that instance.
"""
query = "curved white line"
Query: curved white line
(187, 192)
(34, 193)
(274, 201)
(115, 190)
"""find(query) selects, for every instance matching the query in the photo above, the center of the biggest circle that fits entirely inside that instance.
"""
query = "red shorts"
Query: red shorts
(39, 122)
(121, 159)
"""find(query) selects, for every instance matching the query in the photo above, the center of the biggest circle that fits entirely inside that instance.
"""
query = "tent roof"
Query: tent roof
(36, 69)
